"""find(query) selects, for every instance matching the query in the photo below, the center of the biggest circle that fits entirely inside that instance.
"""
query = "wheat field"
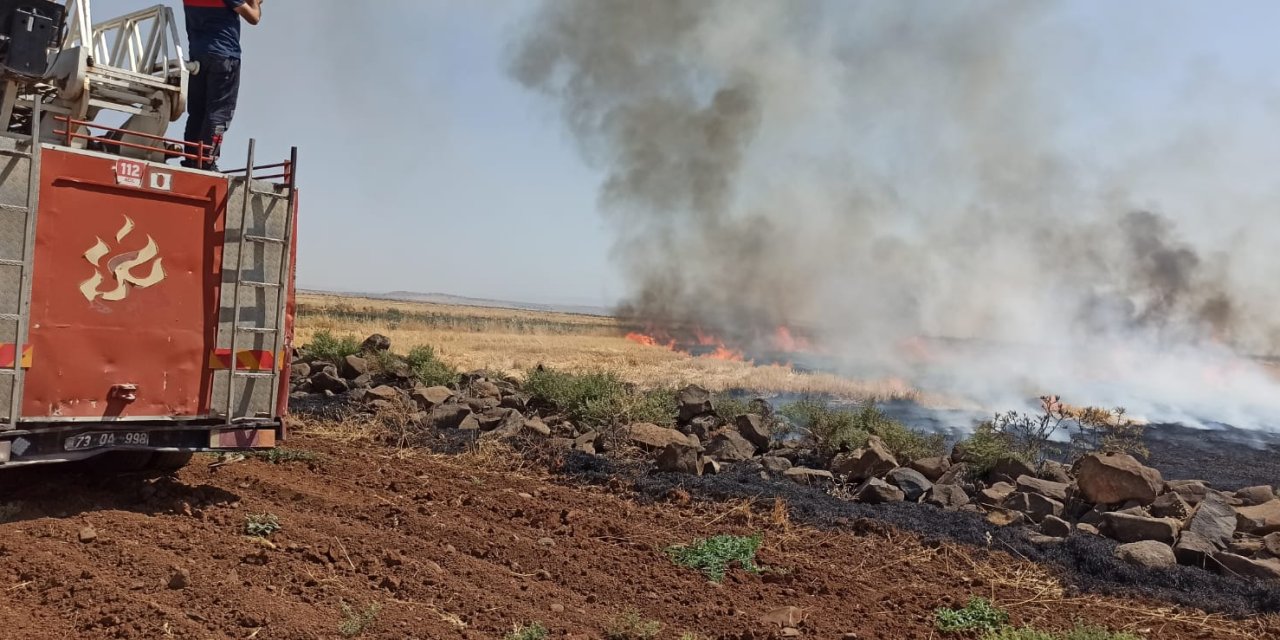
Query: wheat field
(512, 341)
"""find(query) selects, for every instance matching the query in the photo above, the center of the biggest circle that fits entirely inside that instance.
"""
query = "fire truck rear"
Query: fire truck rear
(145, 309)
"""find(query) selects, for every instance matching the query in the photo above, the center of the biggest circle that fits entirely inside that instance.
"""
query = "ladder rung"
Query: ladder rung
(11, 263)
(8, 372)
(270, 194)
(256, 329)
(15, 153)
(14, 207)
(10, 317)
(263, 285)
(252, 374)
(264, 239)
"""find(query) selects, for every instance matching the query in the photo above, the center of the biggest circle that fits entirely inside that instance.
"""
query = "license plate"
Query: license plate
(100, 439)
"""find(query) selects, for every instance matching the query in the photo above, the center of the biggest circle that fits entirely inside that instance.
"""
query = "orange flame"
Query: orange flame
(724, 353)
(784, 340)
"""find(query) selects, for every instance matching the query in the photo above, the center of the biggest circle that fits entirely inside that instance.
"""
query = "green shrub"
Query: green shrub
(261, 525)
(631, 626)
(601, 399)
(1079, 633)
(729, 407)
(533, 631)
(834, 429)
(714, 556)
(979, 615)
(324, 346)
(428, 368)
(986, 447)
(282, 455)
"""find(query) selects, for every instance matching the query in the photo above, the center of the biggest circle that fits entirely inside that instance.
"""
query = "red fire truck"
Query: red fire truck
(145, 309)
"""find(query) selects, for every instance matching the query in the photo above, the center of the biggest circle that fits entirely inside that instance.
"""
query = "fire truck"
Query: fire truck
(146, 309)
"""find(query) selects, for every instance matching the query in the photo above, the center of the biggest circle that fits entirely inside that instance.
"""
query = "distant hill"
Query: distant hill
(444, 298)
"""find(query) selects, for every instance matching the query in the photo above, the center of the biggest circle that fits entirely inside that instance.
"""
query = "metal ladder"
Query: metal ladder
(22, 315)
(281, 284)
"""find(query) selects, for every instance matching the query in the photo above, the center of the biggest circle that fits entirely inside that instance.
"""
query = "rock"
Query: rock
(328, 381)
(913, 483)
(869, 461)
(995, 494)
(179, 578)
(652, 437)
(88, 534)
(1009, 470)
(428, 398)
(1041, 539)
(931, 468)
(481, 405)
(384, 392)
(710, 466)
(1213, 520)
(354, 367)
(1055, 526)
(1254, 496)
(730, 447)
(449, 416)
(1271, 543)
(1005, 518)
(1245, 567)
(1147, 553)
(469, 423)
(805, 475)
(1127, 528)
(877, 491)
(586, 443)
(486, 389)
(958, 452)
(1054, 471)
(1084, 527)
(785, 617)
(680, 457)
(1114, 478)
(753, 427)
(1193, 550)
(501, 423)
(1035, 506)
(300, 371)
(1193, 491)
(693, 402)
(536, 425)
(1247, 547)
(947, 496)
(375, 343)
(517, 401)
(1171, 505)
(704, 426)
(362, 381)
(775, 464)
(955, 475)
(1259, 520)
(1046, 488)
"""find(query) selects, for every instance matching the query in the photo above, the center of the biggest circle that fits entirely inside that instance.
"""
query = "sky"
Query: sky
(425, 167)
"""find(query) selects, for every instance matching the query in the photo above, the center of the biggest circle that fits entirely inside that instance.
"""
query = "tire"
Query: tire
(169, 460)
(119, 462)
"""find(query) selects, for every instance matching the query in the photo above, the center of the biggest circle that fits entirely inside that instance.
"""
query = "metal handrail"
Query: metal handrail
(70, 135)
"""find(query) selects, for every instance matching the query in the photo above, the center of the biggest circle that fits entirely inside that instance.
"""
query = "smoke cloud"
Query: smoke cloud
(875, 173)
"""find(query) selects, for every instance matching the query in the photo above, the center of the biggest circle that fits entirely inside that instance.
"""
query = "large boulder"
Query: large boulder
(1193, 549)
(384, 393)
(957, 474)
(1010, 469)
(1046, 488)
(1131, 528)
(693, 402)
(1193, 491)
(873, 460)
(1147, 553)
(877, 491)
(754, 428)
(680, 457)
(428, 398)
(730, 447)
(1116, 478)
(1246, 567)
(375, 343)
(995, 494)
(503, 423)
(913, 483)
(1254, 496)
(931, 468)
(652, 437)
(1055, 527)
(1259, 520)
(1213, 520)
(449, 416)
(775, 464)
(947, 496)
(1271, 543)
(354, 367)
(705, 426)
(1055, 472)
(1035, 506)
(327, 380)
(1172, 505)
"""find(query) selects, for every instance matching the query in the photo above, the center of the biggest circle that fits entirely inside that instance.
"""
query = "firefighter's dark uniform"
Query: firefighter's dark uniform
(213, 34)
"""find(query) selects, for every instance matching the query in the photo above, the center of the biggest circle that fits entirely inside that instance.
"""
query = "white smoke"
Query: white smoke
(880, 171)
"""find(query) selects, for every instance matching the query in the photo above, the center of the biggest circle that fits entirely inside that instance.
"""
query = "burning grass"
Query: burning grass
(513, 342)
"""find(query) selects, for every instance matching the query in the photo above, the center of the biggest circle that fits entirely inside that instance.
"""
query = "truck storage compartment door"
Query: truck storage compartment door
(124, 309)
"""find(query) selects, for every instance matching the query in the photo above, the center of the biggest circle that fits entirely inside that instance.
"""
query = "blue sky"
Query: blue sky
(425, 168)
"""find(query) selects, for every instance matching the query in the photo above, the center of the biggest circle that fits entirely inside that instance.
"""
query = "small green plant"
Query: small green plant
(729, 407)
(1079, 633)
(324, 346)
(834, 429)
(600, 399)
(356, 622)
(282, 455)
(713, 556)
(986, 447)
(261, 525)
(533, 631)
(632, 626)
(428, 368)
(979, 615)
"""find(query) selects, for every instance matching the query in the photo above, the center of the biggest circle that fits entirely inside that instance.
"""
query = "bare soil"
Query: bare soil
(468, 546)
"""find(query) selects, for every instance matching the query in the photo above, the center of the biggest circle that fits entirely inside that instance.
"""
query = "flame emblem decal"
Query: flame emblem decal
(121, 268)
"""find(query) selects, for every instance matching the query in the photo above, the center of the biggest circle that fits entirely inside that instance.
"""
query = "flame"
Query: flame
(724, 353)
(640, 338)
(784, 340)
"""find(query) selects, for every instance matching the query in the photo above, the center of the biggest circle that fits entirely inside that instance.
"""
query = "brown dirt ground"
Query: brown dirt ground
(465, 548)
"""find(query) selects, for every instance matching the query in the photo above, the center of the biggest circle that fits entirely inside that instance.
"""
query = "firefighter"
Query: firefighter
(213, 34)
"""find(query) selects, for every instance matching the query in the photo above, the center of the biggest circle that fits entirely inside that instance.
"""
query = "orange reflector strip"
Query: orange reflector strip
(7, 352)
(252, 360)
